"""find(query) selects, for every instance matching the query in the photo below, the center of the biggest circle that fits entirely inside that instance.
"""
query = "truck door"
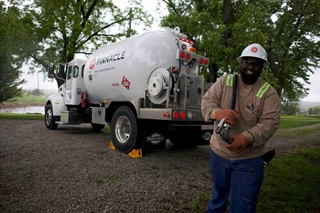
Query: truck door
(68, 96)
(74, 84)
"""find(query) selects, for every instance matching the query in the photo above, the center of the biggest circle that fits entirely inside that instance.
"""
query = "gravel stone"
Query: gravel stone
(73, 169)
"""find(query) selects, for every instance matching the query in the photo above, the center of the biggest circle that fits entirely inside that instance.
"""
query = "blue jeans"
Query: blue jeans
(242, 179)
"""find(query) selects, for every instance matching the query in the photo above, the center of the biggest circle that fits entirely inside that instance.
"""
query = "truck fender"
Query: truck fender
(113, 105)
(57, 103)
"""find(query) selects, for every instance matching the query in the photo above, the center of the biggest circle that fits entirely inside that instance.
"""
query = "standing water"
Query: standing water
(25, 110)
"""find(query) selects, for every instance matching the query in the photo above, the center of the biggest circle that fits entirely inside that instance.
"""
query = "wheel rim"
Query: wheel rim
(48, 117)
(123, 129)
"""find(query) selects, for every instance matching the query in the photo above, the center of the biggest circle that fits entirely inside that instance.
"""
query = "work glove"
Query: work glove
(239, 143)
(229, 115)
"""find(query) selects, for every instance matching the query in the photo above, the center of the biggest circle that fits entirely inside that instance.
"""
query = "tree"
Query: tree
(218, 28)
(294, 45)
(9, 68)
(288, 30)
(314, 110)
(60, 29)
(290, 108)
(191, 17)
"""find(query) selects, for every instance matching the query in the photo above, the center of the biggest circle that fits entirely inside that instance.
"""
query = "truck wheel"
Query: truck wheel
(49, 119)
(124, 129)
(97, 127)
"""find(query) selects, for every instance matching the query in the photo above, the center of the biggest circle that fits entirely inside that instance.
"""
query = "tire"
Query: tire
(97, 127)
(49, 119)
(124, 129)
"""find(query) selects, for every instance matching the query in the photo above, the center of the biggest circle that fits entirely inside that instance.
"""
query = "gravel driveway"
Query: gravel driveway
(73, 169)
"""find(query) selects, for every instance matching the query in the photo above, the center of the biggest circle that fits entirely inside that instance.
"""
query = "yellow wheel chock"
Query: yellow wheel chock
(112, 146)
(135, 153)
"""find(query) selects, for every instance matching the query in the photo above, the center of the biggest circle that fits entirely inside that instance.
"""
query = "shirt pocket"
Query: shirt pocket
(252, 113)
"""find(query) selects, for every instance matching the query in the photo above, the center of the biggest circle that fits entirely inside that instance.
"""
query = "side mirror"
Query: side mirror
(51, 71)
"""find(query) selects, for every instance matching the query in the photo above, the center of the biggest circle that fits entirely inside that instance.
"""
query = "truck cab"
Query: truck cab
(65, 107)
(74, 82)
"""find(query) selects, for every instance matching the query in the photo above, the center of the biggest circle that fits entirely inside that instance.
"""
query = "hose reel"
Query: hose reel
(159, 85)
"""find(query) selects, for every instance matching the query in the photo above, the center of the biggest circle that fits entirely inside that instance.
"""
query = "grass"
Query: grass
(291, 185)
(294, 126)
(5, 115)
(291, 182)
(296, 132)
(109, 179)
(26, 100)
(288, 122)
(290, 126)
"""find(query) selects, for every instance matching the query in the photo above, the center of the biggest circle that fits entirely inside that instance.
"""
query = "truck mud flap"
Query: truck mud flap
(204, 131)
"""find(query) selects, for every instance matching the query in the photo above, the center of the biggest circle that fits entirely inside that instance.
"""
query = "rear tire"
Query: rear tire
(124, 129)
(49, 119)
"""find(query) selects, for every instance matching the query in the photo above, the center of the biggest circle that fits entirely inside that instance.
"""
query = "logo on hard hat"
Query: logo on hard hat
(254, 49)
(92, 63)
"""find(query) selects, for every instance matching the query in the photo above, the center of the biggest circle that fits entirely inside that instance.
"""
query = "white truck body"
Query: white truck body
(123, 68)
(146, 87)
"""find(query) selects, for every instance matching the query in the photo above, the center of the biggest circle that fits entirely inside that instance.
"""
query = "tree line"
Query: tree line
(47, 32)
(293, 108)
(314, 110)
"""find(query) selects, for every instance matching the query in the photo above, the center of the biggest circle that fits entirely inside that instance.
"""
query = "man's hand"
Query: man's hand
(230, 115)
(240, 142)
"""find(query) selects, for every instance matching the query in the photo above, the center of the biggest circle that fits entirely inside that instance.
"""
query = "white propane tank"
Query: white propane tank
(121, 70)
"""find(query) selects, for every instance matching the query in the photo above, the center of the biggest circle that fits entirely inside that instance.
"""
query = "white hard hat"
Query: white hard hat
(254, 50)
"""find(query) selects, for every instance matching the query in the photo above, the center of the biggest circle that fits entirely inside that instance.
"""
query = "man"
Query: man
(237, 168)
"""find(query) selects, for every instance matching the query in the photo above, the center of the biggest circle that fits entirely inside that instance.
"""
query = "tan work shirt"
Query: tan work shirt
(259, 115)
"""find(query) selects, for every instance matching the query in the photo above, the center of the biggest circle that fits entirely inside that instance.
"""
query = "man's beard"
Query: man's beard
(249, 78)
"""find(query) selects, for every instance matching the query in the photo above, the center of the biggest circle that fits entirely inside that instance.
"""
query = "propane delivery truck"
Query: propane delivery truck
(146, 88)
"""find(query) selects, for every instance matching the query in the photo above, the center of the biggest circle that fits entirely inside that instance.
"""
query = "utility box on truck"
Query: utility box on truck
(146, 87)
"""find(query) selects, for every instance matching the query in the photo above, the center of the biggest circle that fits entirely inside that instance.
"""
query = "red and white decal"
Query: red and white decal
(92, 63)
(125, 83)
(254, 49)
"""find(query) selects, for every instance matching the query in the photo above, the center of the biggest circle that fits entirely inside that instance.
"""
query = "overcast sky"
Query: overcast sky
(150, 5)
(32, 80)
(314, 86)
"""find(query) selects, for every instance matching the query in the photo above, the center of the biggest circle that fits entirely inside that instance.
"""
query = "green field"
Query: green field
(297, 121)
(293, 126)
(5, 115)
